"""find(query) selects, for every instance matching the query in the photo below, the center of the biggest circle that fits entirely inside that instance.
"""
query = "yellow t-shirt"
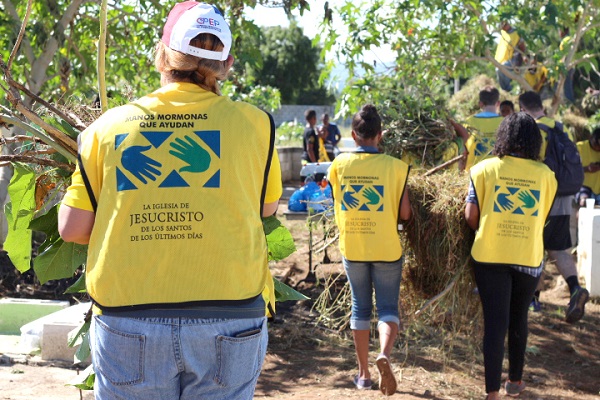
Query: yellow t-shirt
(367, 189)
(588, 156)
(178, 176)
(506, 46)
(515, 196)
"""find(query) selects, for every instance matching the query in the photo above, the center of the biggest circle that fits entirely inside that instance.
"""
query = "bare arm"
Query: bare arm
(75, 225)
(405, 209)
(472, 215)
(461, 131)
(270, 208)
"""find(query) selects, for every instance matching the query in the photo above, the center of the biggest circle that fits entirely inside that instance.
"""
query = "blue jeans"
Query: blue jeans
(503, 80)
(385, 278)
(177, 358)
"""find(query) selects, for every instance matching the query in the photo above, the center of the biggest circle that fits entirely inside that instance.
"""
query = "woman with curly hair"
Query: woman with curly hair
(509, 199)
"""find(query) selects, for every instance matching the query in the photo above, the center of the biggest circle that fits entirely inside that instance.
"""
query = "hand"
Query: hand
(593, 167)
(351, 201)
(504, 201)
(192, 153)
(527, 199)
(139, 164)
(371, 196)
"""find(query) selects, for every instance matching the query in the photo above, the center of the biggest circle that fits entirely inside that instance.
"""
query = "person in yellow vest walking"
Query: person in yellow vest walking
(509, 53)
(370, 195)
(510, 196)
(169, 194)
(589, 150)
(557, 235)
(479, 139)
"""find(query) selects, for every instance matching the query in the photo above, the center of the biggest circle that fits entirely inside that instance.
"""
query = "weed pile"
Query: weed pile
(465, 102)
(437, 293)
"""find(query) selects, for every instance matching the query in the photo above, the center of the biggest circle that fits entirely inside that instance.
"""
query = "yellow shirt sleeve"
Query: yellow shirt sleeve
(77, 195)
(274, 185)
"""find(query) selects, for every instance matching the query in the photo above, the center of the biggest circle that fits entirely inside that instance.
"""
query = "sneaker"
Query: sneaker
(387, 380)
(514, 389)
(576, 307)
(362, 384)
(535, 305)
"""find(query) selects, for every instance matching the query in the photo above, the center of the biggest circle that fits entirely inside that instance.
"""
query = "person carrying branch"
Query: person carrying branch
(370, 197)
(169, 194)
(510, 196)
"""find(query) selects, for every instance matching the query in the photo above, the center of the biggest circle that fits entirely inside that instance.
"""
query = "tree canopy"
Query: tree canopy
(291, 63)
(439, 40)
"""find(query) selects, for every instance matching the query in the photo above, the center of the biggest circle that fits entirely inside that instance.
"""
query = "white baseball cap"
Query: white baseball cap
(190, 18)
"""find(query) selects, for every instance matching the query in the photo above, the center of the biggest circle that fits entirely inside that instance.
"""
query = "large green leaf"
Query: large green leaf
(284, 293)
(85, 381)
(47, 223)
(59, 260)
(279, 239)
(79, 286)
(19, 213)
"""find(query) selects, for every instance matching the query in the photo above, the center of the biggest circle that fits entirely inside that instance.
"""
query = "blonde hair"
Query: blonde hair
(180, 67)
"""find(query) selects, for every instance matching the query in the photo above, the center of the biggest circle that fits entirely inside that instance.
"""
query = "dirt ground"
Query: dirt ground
(308, 361)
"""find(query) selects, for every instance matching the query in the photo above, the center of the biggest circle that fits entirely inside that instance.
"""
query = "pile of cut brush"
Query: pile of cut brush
(437, 287)
(418, 132)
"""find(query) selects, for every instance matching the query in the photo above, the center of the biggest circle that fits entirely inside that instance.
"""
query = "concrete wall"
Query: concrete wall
(290, 159)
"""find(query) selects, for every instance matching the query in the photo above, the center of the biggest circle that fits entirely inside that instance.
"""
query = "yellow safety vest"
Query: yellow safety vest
(479, 145)
(367, 189)
(588, 156)
(515, 196)
(179, 178)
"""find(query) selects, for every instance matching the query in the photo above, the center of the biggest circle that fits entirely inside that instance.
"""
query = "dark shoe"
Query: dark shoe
(576, 307)
(387, 380)
(362, 384)
(535, 305)
(514, 389)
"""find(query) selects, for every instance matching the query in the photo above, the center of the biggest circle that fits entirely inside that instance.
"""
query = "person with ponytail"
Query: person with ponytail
(169, 193)
(370, 198)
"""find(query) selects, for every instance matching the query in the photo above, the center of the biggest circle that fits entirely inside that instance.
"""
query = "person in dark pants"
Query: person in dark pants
(509, 199)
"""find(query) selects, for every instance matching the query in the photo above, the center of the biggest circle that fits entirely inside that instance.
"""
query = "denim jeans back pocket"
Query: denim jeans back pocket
(239, 359)
(118, 356)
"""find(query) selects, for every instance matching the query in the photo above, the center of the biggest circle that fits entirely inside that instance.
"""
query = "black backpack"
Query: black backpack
(563, 158)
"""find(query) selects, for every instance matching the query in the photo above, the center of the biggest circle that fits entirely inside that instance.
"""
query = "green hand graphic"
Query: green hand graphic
(192, 153)
(527, 199)
(371, 196)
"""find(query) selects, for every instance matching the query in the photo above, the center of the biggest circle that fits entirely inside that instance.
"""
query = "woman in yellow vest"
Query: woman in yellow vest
(169, 194)
(369, 191)
(509, 199)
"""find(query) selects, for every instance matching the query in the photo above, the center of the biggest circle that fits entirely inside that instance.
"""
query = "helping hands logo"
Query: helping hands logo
(516, 200)
(197, 153)
(362, 197)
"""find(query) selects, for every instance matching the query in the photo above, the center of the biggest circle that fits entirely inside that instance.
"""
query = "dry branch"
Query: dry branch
(7, 159)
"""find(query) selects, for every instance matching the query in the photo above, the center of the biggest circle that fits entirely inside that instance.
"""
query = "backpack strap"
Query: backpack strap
(269, 159)
(86, 182)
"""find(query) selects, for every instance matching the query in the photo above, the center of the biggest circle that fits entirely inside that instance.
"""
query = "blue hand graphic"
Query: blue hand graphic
(527, 199)
(504, 201)
(350, 200)
(140, 165)
(371, 196)
(192, 153)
